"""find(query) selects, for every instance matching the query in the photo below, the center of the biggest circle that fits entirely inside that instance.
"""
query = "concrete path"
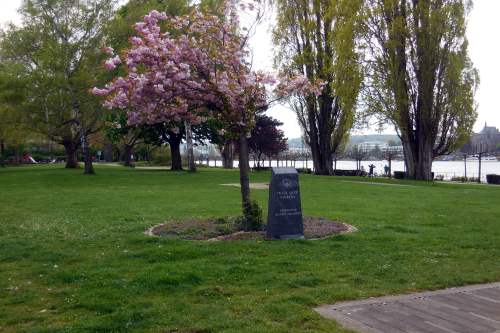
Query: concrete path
(472, 309)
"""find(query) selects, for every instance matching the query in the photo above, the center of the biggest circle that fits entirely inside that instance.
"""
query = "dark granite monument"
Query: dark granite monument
(284, 219)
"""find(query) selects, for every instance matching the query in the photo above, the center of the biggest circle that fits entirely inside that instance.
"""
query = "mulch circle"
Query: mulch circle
(224, 230)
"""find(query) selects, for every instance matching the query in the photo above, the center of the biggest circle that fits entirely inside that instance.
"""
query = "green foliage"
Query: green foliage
(13, 129)
(464, 179)
(420, 78)
(121, 27)
(50, 62)
(318, 39)
(252, 219)
(161, 156)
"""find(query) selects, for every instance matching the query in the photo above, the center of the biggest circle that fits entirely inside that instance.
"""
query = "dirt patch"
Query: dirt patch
(193, 229)
(226, 230)
(319, 227)
(241, 235)
(257, 186)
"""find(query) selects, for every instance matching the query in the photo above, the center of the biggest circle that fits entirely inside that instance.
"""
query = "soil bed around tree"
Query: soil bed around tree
(226, 229)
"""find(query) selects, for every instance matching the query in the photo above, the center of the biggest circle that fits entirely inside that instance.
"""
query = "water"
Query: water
(447, 169)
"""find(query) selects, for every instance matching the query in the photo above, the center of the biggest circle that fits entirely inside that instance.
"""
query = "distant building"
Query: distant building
(488, 137)
(489, 130)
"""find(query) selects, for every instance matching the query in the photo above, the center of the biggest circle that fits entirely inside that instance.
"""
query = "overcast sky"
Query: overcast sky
(484, 25)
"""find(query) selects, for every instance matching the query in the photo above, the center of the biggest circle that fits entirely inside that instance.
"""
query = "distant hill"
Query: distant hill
(380, 138)
(355, 139)
(295, 143)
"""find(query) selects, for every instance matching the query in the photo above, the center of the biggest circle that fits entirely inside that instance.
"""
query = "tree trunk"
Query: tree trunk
(227, 154)
(424, 162)
(175, 149)
(320, 131)
(127, 155)
(465, 167)
(479, 171)
(2, 153)
(18, 158)
(408, 158)
(418, 157)
(190, 151)
(244, 171)
(313, 136)
(322, 156)
(259, 159)
(326, 154)
(70, 148)
(390, 167)
(87, 157)
(108, 152)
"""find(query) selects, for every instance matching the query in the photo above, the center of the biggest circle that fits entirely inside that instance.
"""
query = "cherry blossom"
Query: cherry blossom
(195, 68)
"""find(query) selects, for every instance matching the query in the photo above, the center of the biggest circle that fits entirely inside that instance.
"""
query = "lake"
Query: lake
(447, 169)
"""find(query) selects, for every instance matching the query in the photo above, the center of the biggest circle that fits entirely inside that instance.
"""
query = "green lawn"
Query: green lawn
(73, 257)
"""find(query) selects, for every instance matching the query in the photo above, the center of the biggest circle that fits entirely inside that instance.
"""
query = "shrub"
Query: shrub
(464, 179)
(351, 173)
(304, 170)
(402, 175)
(252, 218)
(221, 220)
(161, 156)
(261, 168)
(439, 177)
(399, 174)
(493, 179)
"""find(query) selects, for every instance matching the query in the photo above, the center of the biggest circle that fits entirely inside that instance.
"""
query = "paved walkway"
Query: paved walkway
(457, 310)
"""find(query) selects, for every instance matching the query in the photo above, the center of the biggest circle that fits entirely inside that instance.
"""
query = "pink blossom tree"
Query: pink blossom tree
(197, 68)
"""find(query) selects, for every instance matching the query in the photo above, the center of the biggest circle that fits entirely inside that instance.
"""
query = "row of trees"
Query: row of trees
(183, 71)
(193, 72)
(49, 63)
(403, 61)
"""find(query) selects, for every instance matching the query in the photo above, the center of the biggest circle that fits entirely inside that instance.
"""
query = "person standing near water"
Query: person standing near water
(371, 166)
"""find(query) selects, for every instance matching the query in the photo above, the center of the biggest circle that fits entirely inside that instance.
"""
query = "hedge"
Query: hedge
(493, 179)
(402, 175)
(351, 173)
(399, 174)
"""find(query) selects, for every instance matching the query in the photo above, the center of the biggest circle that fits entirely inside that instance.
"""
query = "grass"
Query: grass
(73, 257)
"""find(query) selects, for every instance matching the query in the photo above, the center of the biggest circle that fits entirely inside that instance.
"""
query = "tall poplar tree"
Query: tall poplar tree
(318, 39)
(420, 76)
